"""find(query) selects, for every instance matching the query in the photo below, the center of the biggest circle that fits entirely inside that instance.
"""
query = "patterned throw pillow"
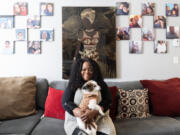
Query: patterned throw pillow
(133, 104)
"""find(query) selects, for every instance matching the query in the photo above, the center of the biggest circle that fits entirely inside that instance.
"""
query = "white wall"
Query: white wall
(129, 66)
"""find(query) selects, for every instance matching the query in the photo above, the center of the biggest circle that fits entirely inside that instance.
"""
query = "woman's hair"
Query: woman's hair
(76, 80)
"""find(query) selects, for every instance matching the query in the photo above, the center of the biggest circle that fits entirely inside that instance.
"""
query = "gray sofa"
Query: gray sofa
(35, 125)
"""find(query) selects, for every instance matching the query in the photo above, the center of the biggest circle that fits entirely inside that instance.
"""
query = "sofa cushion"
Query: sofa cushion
(125, 85)
(133, 104)
(177, 118)
(154, 125)
(164, 96)
(60, 85)
(49, 126)
(53, 106)
(113, 91)
(42, 92)
(17, 98)
(20, 126)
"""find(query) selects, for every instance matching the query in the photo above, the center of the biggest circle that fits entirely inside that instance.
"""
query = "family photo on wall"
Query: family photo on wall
(89, 32)
(148, 33)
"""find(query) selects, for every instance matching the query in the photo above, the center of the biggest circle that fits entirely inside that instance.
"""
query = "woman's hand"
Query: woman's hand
(89, 115)
(78, 112)
(88, 118)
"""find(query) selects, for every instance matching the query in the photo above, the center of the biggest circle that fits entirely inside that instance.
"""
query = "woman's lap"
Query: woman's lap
(105, 124)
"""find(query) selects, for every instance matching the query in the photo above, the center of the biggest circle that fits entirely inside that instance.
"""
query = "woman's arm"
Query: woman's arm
(68, 100)
(106, 96)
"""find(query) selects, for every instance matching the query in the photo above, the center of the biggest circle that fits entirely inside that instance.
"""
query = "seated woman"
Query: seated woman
(82, 71)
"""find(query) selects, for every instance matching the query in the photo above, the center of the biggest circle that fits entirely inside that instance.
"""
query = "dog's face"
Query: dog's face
(90, 86)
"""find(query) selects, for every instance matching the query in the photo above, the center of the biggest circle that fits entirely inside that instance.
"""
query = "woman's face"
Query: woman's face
(86, 71)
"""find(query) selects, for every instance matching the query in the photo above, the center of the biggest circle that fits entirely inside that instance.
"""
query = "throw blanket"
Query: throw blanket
(105, 124)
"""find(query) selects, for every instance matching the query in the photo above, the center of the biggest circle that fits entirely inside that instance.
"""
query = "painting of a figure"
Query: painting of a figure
(89, 32)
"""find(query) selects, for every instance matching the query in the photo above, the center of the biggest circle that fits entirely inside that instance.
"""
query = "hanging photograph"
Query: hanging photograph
(46, 35)
(135, 21)
(160, 22)
(176, 42)
(34, 47)
(21, 8)
(172, 9)
(21, 34)
(135, 47)
(160, 46)
(89, 32)
(7, 47)
(172, 32)
(33, 22)
(147, 34)
(46, 9)
(122, 33)
(122, 8)
(6, 22)
(148, 9)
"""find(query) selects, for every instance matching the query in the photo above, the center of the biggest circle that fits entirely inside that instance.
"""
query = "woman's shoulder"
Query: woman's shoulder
(102, 83)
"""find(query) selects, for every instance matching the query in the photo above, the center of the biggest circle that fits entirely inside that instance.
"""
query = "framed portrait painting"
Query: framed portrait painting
(89, 32)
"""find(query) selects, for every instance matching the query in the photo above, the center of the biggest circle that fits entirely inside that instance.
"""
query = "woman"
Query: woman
(82, 71)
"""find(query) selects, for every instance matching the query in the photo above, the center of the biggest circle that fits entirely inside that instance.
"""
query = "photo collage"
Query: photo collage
(7, 22)
(148, 34)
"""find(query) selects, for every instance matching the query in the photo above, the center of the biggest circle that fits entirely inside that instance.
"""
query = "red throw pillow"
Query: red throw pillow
(113, 90)
(164, 96)
(53, 106)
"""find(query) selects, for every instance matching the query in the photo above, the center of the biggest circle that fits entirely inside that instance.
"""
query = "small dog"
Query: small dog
(90, 100)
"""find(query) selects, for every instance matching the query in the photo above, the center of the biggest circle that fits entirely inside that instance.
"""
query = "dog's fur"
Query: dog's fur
(90, 100)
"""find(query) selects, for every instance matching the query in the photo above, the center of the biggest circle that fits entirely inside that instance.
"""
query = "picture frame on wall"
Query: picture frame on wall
(20, 8)
(92, 34)
(148, 34)
(122, 33)
(46, 34)
(122, 8)
(135, 21)
(34, 47)
(33, 22)
(160, 22)
(21, 34)
(135, 47)
(172, 32)
(6, 22)
(172, 9)
(176, 42)
(7, 47)
(160, 46)
(148, 9)
(46, 9)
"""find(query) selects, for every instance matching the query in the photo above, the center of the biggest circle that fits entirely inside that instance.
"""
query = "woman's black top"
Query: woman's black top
(68, 98)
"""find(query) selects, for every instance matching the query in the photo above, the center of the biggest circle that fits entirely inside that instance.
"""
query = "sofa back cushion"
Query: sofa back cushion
(164, 96)
(60, 85)
(125, 85)
(42, 92)
(17, 97)
(113, 108)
